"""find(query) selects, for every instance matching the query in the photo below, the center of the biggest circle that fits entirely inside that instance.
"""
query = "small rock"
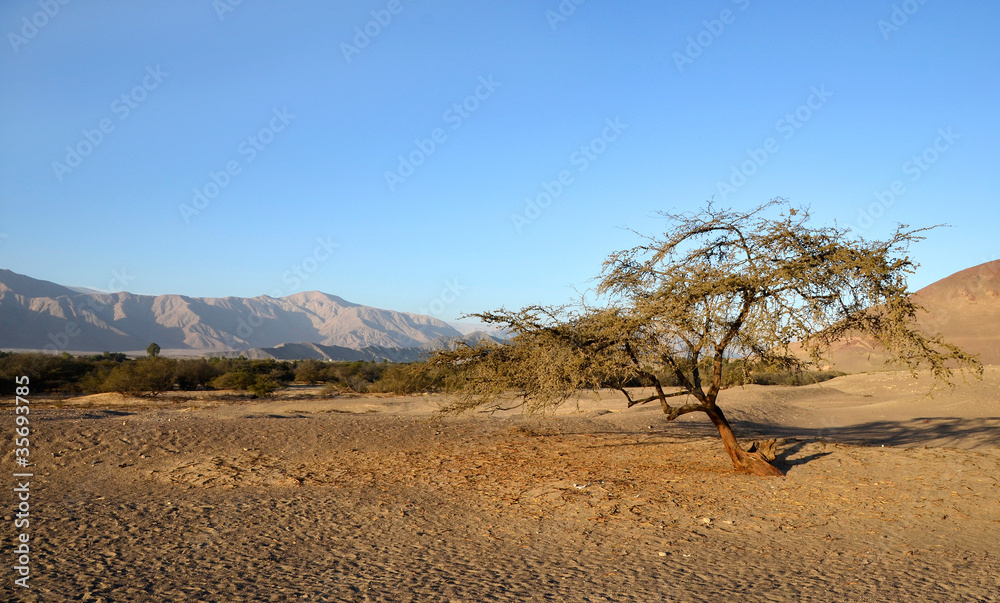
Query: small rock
(705, 520)
(661, 554)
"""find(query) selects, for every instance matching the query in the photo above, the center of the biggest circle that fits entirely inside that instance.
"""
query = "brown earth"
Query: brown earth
(963, 307)
(889, 496)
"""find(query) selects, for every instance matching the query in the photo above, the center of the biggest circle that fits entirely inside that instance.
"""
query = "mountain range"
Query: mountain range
(37, 314)
(299, 351)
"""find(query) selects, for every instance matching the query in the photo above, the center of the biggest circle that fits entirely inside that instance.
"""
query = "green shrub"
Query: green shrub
(46, 372)
(194, 374)
(263, 386)
(142, 377)
(259, 377)
(308, 371)
(240, 379)
(418, 377)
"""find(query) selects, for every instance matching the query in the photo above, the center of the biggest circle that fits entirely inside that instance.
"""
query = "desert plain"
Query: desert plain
(889, 495)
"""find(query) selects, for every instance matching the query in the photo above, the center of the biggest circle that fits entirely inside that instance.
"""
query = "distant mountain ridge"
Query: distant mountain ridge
(37, 314)
(302, 351)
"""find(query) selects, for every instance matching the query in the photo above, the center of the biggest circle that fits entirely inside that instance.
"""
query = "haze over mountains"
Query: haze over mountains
(37, 314)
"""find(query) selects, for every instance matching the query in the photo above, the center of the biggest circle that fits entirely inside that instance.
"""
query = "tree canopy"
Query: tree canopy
(763, 286)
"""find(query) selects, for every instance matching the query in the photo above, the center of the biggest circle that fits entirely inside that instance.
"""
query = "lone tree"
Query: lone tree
(153, 350)
(719, 285)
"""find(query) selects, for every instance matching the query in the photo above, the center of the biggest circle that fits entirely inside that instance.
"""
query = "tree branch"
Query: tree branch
(685, 382)
(676, 411)
(632, 402)
(653, 378)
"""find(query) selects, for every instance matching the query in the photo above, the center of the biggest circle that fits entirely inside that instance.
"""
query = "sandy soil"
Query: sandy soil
(889, 496)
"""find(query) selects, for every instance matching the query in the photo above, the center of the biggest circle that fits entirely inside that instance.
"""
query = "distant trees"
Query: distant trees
(259, 380)
(358, 376)
(193, 374)
(378, 377)
(49, 372)
(152, 375)
(773, 292)
(309, 371)
(149, 376)
(153, 350)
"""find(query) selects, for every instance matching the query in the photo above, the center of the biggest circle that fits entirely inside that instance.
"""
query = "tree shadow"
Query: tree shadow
(784, 461)
(938, 432)
(106, 414)
(944, 432)
(669, 432)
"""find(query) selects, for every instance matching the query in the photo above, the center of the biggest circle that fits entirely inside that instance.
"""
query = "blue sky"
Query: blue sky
(288, 117)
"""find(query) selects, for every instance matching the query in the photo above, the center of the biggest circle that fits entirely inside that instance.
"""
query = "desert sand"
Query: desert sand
(889, 496)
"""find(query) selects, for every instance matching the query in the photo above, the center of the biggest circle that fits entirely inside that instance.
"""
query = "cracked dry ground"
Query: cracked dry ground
(171, 505)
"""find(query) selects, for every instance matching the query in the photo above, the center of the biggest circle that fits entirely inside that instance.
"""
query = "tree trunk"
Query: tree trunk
(753, 463)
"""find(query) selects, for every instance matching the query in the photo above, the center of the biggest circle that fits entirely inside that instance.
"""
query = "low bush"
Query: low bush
(143, 377)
